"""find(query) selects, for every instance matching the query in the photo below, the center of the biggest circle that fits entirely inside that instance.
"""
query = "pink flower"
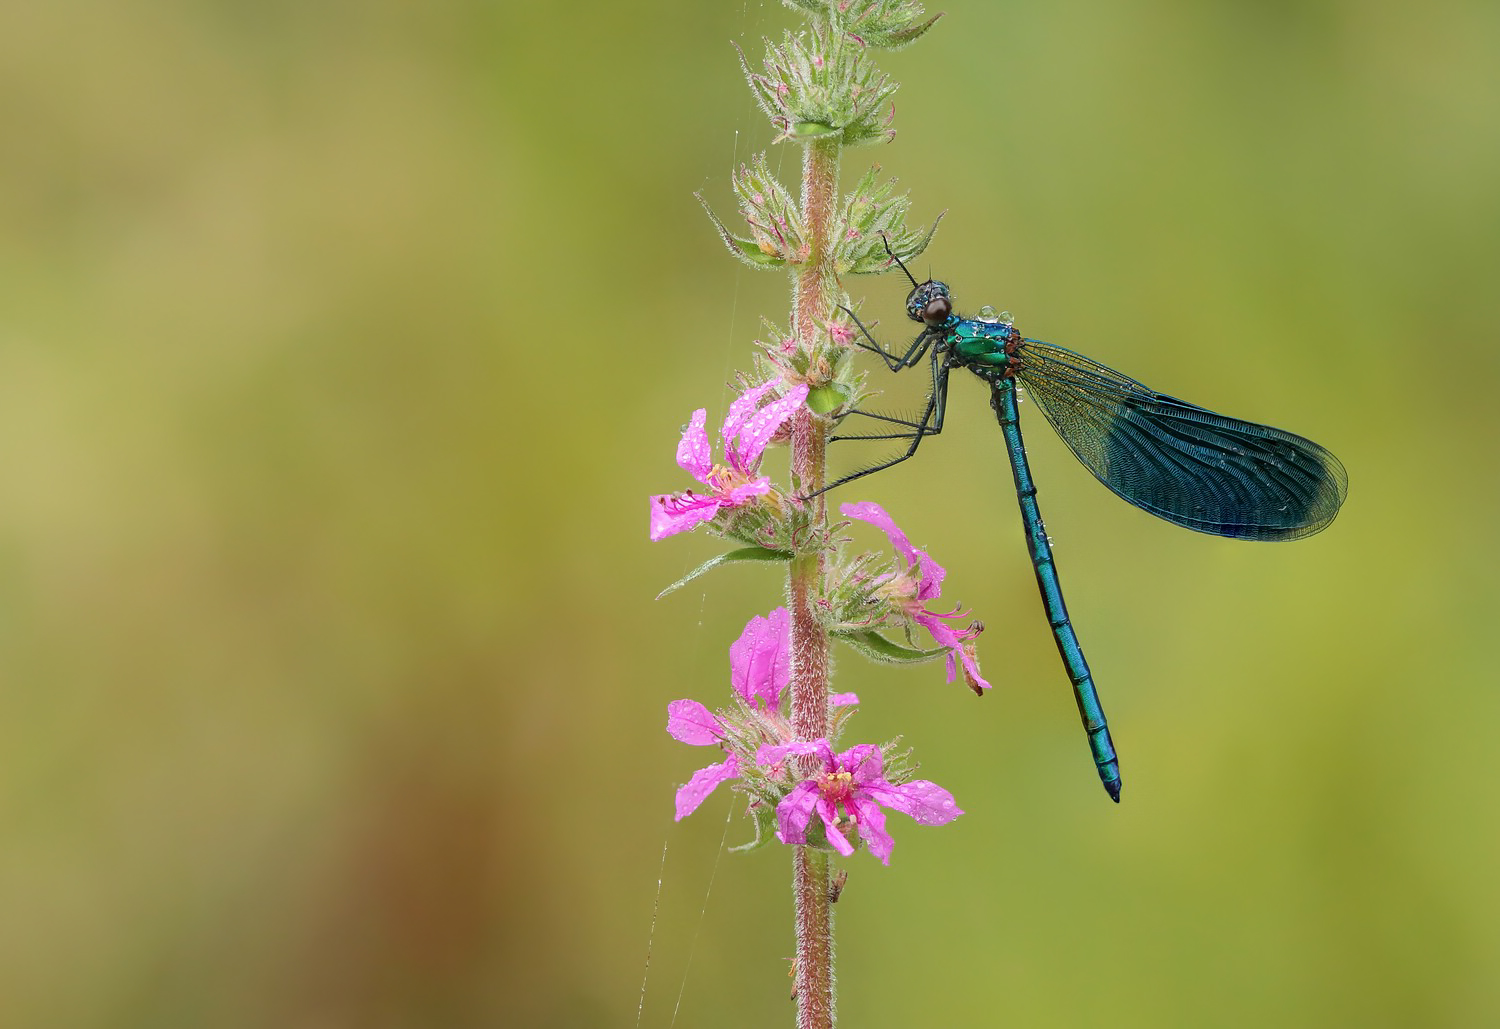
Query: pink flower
(911, 591)
(851, 790)
(745, 434)
(760, 664)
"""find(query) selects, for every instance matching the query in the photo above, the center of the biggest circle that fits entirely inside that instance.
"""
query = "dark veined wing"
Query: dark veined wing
(1192, 467)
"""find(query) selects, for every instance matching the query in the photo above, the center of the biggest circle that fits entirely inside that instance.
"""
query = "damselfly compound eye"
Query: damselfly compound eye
(937, 310)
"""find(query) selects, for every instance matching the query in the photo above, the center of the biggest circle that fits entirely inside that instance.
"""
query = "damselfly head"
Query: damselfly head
(929, 303)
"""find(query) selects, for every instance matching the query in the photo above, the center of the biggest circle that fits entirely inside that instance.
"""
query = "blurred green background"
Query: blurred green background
(341, 345)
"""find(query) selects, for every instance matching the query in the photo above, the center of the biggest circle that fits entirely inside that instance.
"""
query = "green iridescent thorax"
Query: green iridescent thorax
(981, 342)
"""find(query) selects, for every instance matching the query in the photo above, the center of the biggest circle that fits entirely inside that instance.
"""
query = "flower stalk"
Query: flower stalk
(820, 90)
(816, 286)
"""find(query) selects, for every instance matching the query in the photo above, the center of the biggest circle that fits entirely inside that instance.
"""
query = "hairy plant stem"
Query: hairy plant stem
(814, 970)
(814, 291)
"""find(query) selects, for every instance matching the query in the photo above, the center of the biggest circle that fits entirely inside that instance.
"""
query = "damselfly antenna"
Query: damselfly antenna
(887, 241)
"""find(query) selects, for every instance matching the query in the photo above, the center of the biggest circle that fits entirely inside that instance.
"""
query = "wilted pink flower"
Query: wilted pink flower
(851, 790)
(745, 434)
(922, 582)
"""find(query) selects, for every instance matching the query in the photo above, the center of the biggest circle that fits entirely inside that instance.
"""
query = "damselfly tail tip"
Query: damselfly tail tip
(1113, 789)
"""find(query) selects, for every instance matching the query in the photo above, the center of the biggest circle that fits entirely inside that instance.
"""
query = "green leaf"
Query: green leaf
(763, 816)
(826, 398)
(877, 648)
(907, 246)
(746, 250)
(804, 130)
(894, 38)
(743, 554)
(918, 244)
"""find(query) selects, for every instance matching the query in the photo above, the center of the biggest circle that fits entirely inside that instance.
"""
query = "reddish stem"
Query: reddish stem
(815, 286)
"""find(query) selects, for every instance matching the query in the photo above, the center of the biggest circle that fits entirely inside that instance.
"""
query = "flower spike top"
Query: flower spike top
(910, 592)
(747, 430)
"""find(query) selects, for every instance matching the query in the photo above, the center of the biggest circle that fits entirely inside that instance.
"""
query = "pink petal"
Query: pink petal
(843, 700)
(941, 634)
(769, 755)
(690, 722)
(693, 455)
(835, 835)
(741, 410)
(869, 511)
(932, 575)
(863, 762)
(870, 821)
(680, 512)
(929, 571)
(976, 681)
(757, 432)
(741, 494)
(704, 782)
(957, 651)
(926, 802)
(760, 660)
(795, 811)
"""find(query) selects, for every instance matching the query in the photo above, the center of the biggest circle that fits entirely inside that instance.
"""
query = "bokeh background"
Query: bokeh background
(341, 345)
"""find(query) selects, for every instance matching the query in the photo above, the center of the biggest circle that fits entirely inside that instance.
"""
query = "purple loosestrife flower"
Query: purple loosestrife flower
(759, 666)
(910, 592)
(747, 430)
(759, 670)
(851, 790)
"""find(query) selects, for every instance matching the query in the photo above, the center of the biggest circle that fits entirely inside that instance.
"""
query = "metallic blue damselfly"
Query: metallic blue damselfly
(1192, 467)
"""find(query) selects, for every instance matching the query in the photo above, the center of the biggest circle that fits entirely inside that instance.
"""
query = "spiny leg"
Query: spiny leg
(930, 424)
(909, 359)
(913, 354)
(914, 427)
